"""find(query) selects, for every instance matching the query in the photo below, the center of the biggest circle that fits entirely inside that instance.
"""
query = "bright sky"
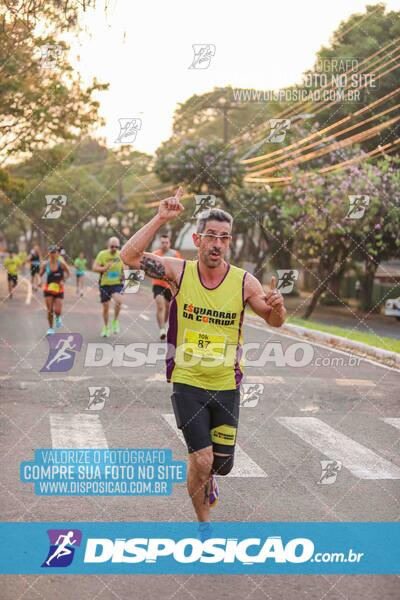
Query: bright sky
(144, 48)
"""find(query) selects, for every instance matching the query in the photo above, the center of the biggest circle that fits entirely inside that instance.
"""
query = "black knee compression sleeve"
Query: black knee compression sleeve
(222, 465)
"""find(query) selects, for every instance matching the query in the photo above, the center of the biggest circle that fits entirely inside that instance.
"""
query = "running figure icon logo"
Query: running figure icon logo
(128, 129)
(286, 280)
(357, 206)
(203, 54)
(54, 206)
(251, 393)
(63, 347)
(62, 547)
(203, 202)
(50, 55)
(132, 280)
(330, 470)
(97, 397)
(279, 128)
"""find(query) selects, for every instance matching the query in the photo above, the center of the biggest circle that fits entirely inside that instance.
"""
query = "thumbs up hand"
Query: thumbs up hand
(273, 298)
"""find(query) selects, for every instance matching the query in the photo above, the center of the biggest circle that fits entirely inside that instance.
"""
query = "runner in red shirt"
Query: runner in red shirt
(161, 289)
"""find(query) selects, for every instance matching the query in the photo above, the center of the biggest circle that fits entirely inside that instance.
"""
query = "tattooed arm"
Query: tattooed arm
(162, 267)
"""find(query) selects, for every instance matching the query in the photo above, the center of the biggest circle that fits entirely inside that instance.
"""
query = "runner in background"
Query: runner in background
(56, 272)
(161, 289)
(34, 259)
(12, 264)
(80, 270)
(62, 252)
(111, 269)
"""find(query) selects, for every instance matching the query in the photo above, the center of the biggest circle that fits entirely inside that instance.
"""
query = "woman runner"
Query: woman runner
(56, 273)
(80, 270)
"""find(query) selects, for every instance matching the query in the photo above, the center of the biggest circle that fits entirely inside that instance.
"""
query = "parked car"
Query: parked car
(392, 308)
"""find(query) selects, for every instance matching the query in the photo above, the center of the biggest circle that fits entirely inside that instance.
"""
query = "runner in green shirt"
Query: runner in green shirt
(80, 270)
(12, 264)
(111, 269)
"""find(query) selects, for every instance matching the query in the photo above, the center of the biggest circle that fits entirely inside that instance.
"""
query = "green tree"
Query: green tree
(42, 101)
(374, 34)
(203, 166)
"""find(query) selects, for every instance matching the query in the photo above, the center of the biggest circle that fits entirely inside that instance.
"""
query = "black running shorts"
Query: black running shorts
(160, 290)
(206, 417)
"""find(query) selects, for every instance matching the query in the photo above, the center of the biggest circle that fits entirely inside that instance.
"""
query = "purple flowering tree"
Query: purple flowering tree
(328, 234)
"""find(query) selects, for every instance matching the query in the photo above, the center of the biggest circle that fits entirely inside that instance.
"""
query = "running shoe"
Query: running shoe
(50, 331)
(213, 492)
(58, 322)
(115, 326)
(105, 332)
(163, 333)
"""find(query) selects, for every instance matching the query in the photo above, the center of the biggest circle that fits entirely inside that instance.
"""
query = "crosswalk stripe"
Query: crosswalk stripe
(77, 431)
(243, 466)
(355, 382)
(395, 421)
(264, 379)
(361, 461)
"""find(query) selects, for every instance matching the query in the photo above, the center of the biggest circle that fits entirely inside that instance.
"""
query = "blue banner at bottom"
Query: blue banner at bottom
(192, 548)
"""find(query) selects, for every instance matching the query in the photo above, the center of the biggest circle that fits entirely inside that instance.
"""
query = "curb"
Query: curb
(336, 340)
(384, 356)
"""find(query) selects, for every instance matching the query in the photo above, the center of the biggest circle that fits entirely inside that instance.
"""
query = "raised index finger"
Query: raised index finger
(179, 193)
(272, 284)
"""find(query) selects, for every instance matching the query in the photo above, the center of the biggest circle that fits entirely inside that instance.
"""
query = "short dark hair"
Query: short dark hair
(164, 235)
(212, 214)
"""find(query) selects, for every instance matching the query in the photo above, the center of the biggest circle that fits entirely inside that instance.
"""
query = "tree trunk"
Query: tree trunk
(333, 286)
(314, 301)
(368, 285)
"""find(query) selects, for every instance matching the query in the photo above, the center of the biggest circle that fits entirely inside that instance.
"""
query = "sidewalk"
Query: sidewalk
(349, 317)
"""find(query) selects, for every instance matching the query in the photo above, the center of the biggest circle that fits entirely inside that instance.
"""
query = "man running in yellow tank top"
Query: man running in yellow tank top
(205, 332)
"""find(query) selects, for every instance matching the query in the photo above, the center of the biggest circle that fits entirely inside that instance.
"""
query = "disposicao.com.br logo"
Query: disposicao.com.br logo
(125, 547)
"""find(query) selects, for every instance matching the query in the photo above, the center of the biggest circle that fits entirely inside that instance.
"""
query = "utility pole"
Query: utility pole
(224, 106)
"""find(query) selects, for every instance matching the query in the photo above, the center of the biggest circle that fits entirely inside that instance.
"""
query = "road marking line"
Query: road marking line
(72, 378)
(395, 421)
(355, 382)
(361, 461)
(243, 466)
(145, 317)
(264, 379)
(77, 431)
(28, 298)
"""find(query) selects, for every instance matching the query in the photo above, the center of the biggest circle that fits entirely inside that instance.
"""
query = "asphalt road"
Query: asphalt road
(328, 409)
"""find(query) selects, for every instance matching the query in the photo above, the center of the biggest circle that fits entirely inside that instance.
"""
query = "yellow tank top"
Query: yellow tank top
(205, 330)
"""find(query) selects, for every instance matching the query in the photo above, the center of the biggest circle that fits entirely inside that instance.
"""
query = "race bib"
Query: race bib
(113, 274)
(204, 345)
(54, 288)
